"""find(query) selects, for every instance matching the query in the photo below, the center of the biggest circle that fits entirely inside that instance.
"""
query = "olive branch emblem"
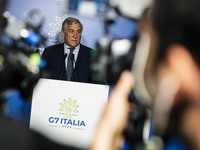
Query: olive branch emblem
(55, 29)
(69, 107)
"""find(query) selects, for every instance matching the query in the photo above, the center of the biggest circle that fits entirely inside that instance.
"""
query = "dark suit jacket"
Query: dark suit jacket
(55, 63)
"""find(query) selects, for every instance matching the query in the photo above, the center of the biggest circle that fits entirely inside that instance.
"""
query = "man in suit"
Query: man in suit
(57, 56)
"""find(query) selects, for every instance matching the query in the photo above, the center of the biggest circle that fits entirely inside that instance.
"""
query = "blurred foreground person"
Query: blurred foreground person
(171, 76)
(109, 132)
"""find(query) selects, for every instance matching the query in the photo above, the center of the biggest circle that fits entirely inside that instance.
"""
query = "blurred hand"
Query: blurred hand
(113, 122)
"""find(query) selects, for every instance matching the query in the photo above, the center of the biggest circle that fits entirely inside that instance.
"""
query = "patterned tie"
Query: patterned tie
(70, 64)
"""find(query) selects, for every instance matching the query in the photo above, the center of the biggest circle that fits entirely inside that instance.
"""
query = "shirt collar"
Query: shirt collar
(75, 52)
(66, 49)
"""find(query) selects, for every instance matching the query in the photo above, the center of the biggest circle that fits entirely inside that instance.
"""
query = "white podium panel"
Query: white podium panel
(67, 112)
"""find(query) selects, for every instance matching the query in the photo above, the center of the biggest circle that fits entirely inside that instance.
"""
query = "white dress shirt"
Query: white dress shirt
(67, 51)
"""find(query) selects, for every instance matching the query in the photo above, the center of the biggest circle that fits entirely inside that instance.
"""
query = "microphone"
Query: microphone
(65, 55)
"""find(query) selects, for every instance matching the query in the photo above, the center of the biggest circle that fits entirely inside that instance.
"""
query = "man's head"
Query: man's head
(71, 31)
(172, 74)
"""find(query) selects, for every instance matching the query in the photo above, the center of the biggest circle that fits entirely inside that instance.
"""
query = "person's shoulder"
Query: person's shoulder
(50, 50)
(85, 47)
(54, 46)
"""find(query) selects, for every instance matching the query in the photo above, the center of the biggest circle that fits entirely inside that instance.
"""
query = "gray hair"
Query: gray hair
(71, 21)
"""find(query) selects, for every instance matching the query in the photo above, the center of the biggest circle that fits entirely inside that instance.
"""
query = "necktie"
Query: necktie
(70, 64)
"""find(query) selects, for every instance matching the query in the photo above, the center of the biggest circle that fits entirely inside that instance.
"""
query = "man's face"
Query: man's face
(72, 34)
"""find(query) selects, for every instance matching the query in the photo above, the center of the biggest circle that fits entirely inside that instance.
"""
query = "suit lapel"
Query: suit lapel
(81, 71)
(61, 62)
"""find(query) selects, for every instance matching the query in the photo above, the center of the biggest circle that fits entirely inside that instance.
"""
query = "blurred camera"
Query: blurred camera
(25, 33)
(111, 58)
(19, 64)
(114, 56)
(19, 69)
